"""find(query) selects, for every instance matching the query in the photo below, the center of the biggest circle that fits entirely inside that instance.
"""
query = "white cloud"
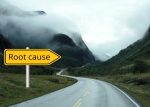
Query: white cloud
(110, 25)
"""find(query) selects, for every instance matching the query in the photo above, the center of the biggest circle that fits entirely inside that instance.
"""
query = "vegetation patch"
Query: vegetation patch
(12, 87)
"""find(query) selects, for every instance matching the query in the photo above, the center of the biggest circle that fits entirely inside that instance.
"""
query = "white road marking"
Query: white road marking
(137, 105)
(78, 103)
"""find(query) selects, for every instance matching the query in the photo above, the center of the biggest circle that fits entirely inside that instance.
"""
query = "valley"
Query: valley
(104, 54)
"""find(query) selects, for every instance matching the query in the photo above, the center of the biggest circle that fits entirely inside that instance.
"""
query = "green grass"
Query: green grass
(136, 85)
(12, 87)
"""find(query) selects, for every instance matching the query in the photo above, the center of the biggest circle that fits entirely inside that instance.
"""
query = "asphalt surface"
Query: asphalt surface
(85, 93)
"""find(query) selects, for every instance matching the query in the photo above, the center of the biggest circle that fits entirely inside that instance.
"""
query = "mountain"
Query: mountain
(21, 29)
(40, 12)
(137, 51)
(73, 54)
(135, 58)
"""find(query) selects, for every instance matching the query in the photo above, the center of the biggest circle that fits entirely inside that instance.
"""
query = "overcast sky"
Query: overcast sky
(107, 26)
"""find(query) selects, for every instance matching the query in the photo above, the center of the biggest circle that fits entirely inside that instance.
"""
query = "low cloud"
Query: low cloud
(27, 28)
(107, 26)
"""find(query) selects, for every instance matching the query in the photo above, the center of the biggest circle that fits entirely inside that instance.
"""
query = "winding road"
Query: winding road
(85, 93)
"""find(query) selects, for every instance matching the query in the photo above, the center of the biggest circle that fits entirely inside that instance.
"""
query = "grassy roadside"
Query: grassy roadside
(12, 87)
(136, 85)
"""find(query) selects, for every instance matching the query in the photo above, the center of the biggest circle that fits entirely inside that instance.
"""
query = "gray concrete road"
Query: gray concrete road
(85, 93)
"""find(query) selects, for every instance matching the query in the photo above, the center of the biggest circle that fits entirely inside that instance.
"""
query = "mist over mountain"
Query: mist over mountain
(133, 59)
(136, 51)
(10, 10)
(21, 29)
(73, 54)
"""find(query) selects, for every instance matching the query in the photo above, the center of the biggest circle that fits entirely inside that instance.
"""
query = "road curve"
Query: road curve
(85, 93)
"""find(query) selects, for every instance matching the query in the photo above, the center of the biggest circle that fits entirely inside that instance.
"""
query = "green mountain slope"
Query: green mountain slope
(136, 55)
(138, 51)
(134, 59)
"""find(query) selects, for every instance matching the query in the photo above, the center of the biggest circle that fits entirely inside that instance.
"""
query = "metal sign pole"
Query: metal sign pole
(27, 74)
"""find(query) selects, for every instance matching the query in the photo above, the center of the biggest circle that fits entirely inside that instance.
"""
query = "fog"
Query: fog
(29, 28)
(107, 26)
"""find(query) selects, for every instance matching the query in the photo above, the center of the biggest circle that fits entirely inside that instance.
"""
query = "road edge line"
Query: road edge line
(135, 103)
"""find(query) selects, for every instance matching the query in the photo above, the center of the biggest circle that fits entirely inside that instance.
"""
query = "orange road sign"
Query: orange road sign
(30, 57)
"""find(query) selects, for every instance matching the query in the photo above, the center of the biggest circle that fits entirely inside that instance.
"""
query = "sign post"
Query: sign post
(27, 74)
(29, 57)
